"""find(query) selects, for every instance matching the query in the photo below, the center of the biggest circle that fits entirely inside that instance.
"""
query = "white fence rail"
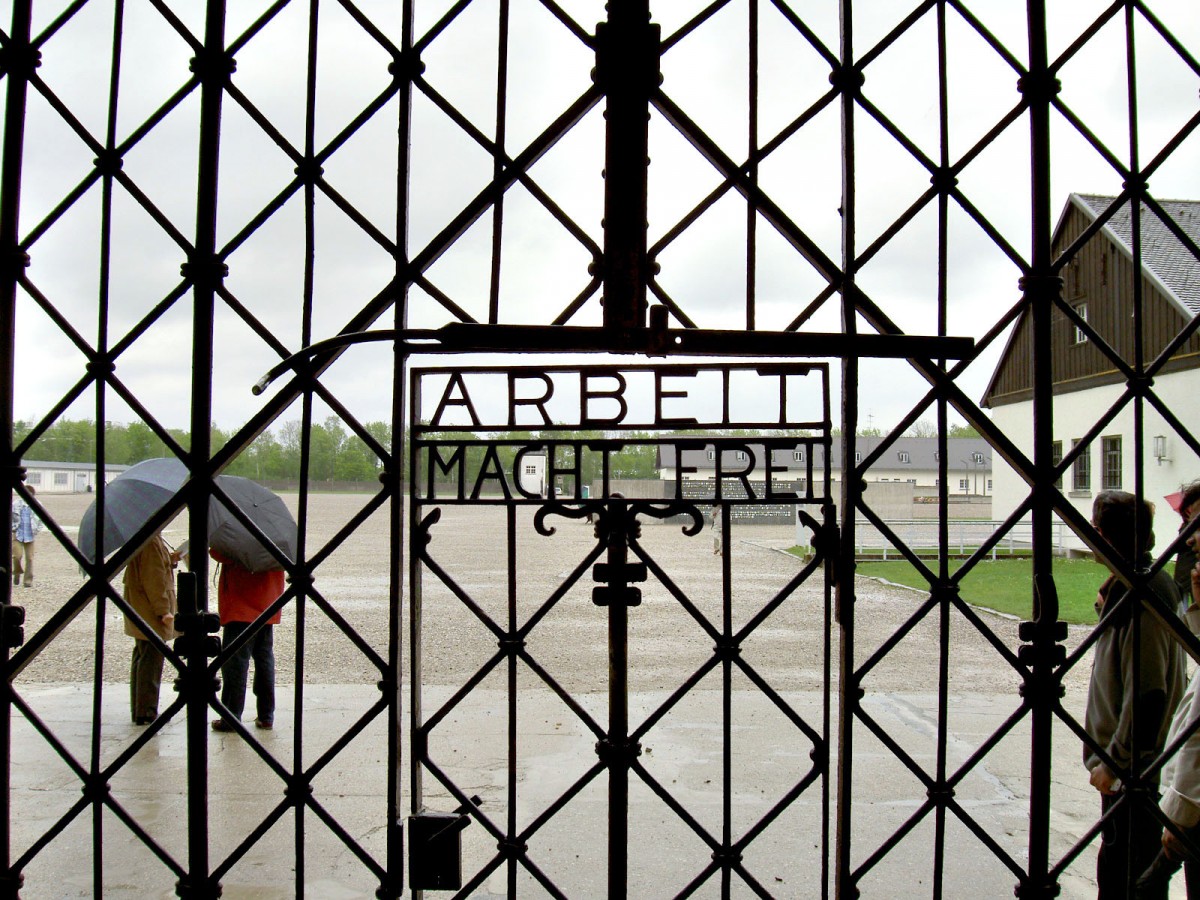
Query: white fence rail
(921, 535)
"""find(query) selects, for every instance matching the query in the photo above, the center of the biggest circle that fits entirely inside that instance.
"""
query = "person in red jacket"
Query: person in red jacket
(242, 596)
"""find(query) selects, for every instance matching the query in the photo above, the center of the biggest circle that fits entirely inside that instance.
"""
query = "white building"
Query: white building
(531, 477)
(1094, 411)
(66, 477)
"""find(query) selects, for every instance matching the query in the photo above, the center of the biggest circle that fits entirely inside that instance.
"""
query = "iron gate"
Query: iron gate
(278, 107)
(569, 479)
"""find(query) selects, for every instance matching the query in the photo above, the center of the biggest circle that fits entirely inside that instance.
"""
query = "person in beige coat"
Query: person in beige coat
(150, 591)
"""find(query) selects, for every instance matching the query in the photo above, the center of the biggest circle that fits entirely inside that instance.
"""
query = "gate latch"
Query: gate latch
(435, 849)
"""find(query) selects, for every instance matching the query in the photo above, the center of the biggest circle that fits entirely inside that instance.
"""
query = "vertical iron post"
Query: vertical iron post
(618, 524)
(848, 79)
(618, 707)
(20, 59)
(205, 270)
(395, 476)
(1040, 287)
(627, 71)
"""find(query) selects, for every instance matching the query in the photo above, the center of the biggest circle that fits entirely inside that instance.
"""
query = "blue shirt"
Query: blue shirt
(25, 524)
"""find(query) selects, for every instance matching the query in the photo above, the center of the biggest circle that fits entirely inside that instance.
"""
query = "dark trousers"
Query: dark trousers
(145, 677)
(1129, 843)
(1154, 880)
(260, 647)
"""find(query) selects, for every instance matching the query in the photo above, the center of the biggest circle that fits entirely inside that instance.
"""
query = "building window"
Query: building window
(1081, 471)
(858, 457)
(989, 487)
(903, 456)
(740, 455)
(1056, 458)
(964, 485)
(1110, 451)
(712, 454)
(33, 477)
(60, 478)
(912, 481)
(1081, 311)
(531, 470)
(797, 456)
(977, 458)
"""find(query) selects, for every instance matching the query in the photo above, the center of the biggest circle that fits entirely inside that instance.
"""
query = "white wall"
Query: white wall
(1075, 413)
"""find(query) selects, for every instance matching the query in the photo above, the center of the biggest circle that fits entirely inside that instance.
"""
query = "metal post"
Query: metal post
(395, 479)
(627, 49)
(20, 61)
(1040, 288)
(618, 702)
(205, 271)
(848, 79)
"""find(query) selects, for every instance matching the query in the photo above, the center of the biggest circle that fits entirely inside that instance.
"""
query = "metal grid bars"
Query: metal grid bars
(1055, 105)
(196, 316)
(254, 187)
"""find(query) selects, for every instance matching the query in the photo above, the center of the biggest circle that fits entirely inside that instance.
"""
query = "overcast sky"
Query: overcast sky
(543, 266)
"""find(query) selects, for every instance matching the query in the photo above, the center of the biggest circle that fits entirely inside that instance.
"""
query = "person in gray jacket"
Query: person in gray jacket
(1181, 774)
(1121, 696)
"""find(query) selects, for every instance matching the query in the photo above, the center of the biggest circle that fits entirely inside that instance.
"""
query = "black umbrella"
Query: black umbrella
(142, 490)
(266, 510)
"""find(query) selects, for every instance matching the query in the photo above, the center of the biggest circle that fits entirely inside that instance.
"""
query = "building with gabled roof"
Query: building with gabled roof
(1105, 272)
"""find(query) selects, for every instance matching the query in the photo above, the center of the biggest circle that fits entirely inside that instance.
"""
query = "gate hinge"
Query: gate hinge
(435, 849)
(12, 622)
(826, 540)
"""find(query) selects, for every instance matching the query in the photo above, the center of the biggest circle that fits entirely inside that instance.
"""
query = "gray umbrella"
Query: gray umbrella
(142, 490)
(130, 500)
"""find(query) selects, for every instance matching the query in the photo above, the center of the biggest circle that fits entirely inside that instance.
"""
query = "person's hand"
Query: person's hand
(167, 619)
(1172, 846)
(1103, 779)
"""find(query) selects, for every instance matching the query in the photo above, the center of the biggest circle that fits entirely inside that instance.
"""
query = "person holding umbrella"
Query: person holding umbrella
(242, 596)
(150, 591)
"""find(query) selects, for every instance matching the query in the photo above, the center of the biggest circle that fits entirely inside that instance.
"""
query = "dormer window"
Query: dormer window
(977, 458)
(797, 456)
(740, 455)
(903, 456)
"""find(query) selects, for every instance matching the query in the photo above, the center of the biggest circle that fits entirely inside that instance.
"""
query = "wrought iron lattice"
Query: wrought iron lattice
(625, 571)
(226, 142)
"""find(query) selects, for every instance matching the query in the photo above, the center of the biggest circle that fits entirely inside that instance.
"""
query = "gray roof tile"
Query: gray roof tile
(1168, 259)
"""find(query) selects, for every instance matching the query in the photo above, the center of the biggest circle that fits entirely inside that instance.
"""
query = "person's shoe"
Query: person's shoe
(143, 720)
(266, 726)
(222, 725)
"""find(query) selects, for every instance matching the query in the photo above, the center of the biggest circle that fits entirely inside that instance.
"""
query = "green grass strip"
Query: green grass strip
(1006, 585)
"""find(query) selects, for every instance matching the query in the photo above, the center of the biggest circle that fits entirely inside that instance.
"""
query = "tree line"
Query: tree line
(338, 454)
(335, 454)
